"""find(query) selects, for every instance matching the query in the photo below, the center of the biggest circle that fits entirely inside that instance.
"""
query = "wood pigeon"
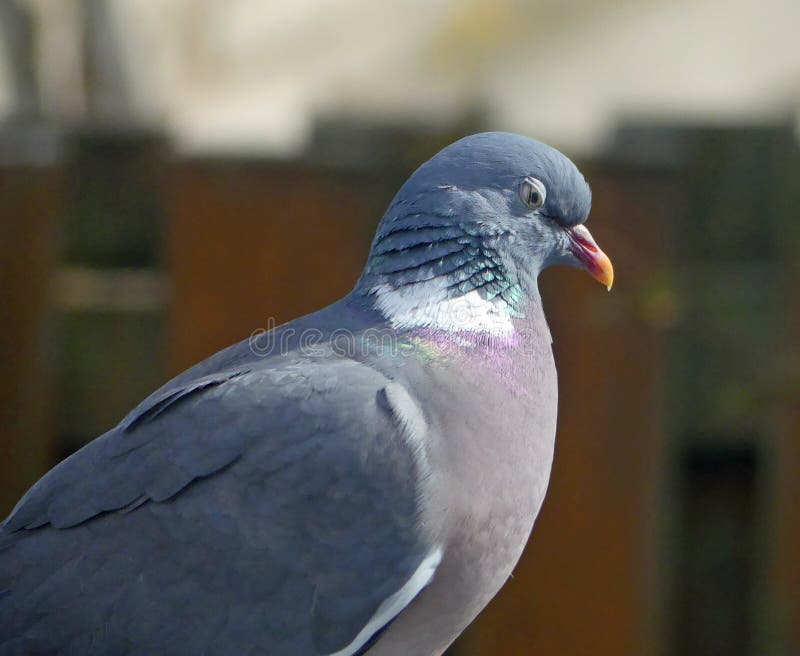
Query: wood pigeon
(361, 480)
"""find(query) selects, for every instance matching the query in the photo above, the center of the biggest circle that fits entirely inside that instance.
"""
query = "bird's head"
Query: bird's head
(479, 222)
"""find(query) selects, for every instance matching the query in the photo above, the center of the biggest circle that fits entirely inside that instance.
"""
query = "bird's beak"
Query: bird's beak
(595, 261)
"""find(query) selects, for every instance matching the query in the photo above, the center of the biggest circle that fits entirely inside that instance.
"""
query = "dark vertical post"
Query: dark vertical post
(715, 609)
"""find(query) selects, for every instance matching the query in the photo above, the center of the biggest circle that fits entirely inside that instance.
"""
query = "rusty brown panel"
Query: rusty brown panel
(785, 573)
(584, 585)
(31, 199)
(250, 241)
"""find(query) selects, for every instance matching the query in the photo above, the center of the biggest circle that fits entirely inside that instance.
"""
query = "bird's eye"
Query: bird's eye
(532, 192)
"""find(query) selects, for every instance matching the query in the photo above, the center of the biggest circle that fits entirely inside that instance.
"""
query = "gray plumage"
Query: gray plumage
(276, 500)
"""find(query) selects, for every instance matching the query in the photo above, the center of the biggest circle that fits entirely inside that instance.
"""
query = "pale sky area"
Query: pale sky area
(253, 74)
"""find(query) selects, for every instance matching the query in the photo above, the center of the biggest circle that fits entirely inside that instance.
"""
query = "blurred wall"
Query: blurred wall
(253, 76)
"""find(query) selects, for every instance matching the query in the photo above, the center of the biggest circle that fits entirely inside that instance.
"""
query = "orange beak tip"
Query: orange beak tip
(600, 268)
(595, 261)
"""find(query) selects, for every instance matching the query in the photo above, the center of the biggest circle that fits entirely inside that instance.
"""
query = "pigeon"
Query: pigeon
(361, 480)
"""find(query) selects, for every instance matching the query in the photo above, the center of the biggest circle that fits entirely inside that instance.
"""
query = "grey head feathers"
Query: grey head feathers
(459, 226)
(498, 161)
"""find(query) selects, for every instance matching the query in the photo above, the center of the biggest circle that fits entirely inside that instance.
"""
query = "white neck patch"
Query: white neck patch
(427, 305)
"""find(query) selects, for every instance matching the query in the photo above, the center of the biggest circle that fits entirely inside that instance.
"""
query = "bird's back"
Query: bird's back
(255, 505)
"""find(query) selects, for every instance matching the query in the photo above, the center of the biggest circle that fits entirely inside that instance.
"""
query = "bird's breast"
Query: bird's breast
(493, 449)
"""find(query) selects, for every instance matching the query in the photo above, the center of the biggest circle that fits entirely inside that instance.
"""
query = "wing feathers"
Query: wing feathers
(395, 603)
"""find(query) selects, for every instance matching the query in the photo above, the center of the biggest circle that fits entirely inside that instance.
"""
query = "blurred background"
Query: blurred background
(173, 174)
